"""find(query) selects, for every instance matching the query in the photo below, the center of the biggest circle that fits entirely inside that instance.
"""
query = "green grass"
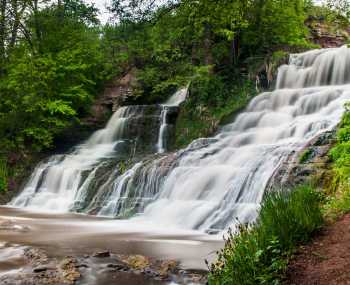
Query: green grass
(259, 254)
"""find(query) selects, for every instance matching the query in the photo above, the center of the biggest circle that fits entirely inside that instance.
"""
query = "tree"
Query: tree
(3, 30)
(49, 83)
(136, 10)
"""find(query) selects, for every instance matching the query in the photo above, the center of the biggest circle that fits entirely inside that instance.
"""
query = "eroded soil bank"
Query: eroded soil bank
(326, 261)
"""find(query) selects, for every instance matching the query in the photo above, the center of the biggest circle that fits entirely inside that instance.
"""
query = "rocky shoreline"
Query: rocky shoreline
(35, 267)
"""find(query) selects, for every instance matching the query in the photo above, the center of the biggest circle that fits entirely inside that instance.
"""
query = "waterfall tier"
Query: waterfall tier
(212, 182)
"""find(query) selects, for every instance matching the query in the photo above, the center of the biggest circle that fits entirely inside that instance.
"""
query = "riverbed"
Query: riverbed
(81, 236)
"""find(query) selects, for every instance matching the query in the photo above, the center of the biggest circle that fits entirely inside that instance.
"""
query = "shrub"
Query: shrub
(258, 254)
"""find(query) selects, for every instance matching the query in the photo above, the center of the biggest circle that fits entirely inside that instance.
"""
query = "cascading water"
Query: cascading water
(63, 182)
(173, 101)
(214, 181)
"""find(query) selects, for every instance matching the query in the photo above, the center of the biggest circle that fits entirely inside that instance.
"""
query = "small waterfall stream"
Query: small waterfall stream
(173, 101)
(213, 181)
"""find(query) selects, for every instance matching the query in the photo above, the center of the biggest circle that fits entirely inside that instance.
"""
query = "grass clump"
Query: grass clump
(258, 254)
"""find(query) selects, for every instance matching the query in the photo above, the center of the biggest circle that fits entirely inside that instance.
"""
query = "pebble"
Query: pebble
(102, 254)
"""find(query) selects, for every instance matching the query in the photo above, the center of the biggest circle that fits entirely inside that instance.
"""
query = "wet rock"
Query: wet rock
(325, 35)
(83, 265)
(194, 276)
(150, 272)
(304, 166)
(42, 269)
(167, 266)
(137, 261)
(35, 256)
(118, 266)
(69, 270)
(102, 254)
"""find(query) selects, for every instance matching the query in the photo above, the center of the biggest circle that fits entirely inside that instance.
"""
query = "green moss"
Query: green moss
(306, 156)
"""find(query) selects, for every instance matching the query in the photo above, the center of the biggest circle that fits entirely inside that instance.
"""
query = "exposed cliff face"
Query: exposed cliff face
(116, 92)
(325, 35)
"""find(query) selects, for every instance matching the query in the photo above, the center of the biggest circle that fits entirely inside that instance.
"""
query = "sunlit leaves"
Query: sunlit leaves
(44, 92)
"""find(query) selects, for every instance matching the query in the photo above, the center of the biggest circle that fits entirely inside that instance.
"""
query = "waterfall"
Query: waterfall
(213, 183)
(174, 101)
(162, 131)
(62, 183)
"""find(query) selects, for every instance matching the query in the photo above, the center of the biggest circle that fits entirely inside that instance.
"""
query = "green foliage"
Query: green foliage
(276, 23)
(258, 254)
(174, 42)
(212, 99)
(3, 175)
(337, 203)
(50, 84)
(338, 200)
(340, 153)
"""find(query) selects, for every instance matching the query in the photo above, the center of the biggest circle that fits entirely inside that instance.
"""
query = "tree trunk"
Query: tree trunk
(3, 4)
(37, 26)
(17, 13)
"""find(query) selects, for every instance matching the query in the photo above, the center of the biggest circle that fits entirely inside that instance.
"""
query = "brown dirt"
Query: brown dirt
(326, 261)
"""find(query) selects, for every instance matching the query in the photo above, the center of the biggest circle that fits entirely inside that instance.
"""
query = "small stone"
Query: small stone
(117, 266)
(83, 265)
(102, 254)
(40, 269)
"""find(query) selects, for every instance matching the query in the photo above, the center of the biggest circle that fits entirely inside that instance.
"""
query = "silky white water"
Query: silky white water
(214, 182)
(174, 101)
(55, 185)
